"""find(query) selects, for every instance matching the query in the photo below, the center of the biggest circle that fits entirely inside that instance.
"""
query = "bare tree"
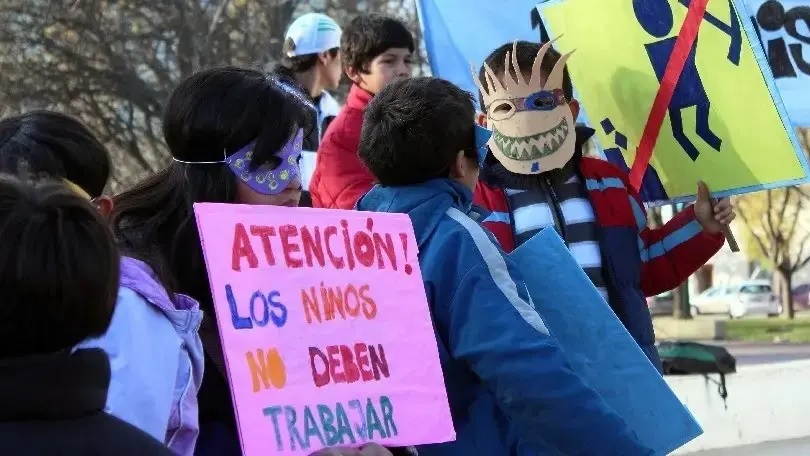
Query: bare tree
(777, 224)
(113, 63)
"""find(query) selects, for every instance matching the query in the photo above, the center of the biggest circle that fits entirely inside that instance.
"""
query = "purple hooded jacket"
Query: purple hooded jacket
(156, 358)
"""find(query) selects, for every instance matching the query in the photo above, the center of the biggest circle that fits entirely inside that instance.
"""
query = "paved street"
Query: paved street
(760, 353)
(785, 448)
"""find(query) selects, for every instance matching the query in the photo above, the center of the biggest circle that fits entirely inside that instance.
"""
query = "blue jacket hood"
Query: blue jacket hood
(426, 203)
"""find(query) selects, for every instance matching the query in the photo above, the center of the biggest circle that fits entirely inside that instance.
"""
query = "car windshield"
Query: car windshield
(715, 291)
(755, 289)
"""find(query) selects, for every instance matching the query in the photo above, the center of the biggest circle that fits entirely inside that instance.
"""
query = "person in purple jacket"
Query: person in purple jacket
(153, 342)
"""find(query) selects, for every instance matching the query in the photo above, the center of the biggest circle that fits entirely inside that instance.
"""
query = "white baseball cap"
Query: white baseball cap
(312, 33)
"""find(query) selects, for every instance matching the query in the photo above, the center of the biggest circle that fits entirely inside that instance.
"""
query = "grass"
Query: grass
(769, 330)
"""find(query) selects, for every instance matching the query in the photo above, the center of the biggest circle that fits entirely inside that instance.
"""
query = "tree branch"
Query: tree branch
(759, 241)
(113, 63)
(215, 21)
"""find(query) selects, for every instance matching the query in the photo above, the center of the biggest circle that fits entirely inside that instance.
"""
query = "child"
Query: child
(59, 277)
(510, 389)
(312, 62)
(58, 146)
(234, 135)
(376, 51)
(152, 343)
(589, 201)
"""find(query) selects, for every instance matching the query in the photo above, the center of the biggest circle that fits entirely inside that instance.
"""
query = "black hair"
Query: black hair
(300, 63)
(57, 145)
(526, 52)
(370, 35)
(210, 114)
(59, 268)
(414, 128)
(290, 66)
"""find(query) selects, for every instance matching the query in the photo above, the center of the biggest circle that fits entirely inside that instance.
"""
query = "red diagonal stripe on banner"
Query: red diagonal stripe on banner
(683, 44)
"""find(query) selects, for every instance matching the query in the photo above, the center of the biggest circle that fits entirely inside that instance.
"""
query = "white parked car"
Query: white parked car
(737, 301)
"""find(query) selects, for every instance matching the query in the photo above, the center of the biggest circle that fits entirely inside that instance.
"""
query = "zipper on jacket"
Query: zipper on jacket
(556, 211)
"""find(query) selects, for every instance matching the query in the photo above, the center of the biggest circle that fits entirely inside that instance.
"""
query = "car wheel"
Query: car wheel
(694, 310)
(736, 314)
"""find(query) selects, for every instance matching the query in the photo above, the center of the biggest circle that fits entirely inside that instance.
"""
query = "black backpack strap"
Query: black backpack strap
(721, 387)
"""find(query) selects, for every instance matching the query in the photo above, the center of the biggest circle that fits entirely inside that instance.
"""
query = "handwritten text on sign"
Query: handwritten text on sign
(325, 328)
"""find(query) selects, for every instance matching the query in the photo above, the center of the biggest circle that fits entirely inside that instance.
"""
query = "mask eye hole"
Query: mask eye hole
(500, 110)
(503, 108)
(541, 101)
(269, 165)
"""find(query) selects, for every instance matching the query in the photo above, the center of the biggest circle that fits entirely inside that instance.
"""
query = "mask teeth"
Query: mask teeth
(526, 148)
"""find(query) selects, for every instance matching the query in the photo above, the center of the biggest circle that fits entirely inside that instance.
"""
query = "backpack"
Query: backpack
(687, 358)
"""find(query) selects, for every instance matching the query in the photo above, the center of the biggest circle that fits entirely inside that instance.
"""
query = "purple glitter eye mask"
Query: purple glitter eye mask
(268, 182)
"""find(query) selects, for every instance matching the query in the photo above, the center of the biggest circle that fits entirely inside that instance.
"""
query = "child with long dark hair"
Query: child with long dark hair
(235, 137)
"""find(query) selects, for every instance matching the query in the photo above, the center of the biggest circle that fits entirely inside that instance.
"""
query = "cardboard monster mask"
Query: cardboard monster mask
(531, 122)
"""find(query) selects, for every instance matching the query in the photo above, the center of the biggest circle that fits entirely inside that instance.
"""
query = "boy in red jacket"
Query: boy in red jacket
(535, 176)
(376, 50)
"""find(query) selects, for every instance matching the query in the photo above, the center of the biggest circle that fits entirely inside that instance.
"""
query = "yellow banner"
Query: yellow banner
(722, 125)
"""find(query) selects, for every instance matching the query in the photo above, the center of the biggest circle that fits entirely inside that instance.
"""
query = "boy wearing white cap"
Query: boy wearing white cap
(312, 62)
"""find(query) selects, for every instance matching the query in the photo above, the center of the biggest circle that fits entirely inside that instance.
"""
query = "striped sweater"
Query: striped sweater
(560, 202)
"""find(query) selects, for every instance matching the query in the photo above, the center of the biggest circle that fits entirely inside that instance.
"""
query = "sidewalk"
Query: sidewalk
(784, 448)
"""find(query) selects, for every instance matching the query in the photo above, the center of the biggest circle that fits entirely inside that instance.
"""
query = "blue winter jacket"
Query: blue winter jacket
(510, 389)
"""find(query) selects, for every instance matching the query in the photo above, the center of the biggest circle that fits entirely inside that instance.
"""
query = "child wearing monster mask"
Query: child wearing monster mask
(535, 176)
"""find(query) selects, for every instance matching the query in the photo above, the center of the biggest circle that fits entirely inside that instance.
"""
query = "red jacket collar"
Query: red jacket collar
(358, 98)
(596, 168)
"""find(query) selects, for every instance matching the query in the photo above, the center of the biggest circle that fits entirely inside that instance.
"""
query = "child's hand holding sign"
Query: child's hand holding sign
(372, 449)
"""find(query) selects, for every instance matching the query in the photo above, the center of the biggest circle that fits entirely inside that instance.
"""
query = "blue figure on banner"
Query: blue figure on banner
(656, 18)
(651, 187)
(732, 29)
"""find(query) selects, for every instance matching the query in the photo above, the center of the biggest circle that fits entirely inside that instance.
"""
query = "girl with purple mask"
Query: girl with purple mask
(235, 136)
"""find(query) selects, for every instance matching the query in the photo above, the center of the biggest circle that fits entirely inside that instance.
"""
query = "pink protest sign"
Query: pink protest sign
(325, 327)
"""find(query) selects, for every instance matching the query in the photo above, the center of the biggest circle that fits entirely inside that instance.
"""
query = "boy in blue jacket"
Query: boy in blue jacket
(510, 389)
